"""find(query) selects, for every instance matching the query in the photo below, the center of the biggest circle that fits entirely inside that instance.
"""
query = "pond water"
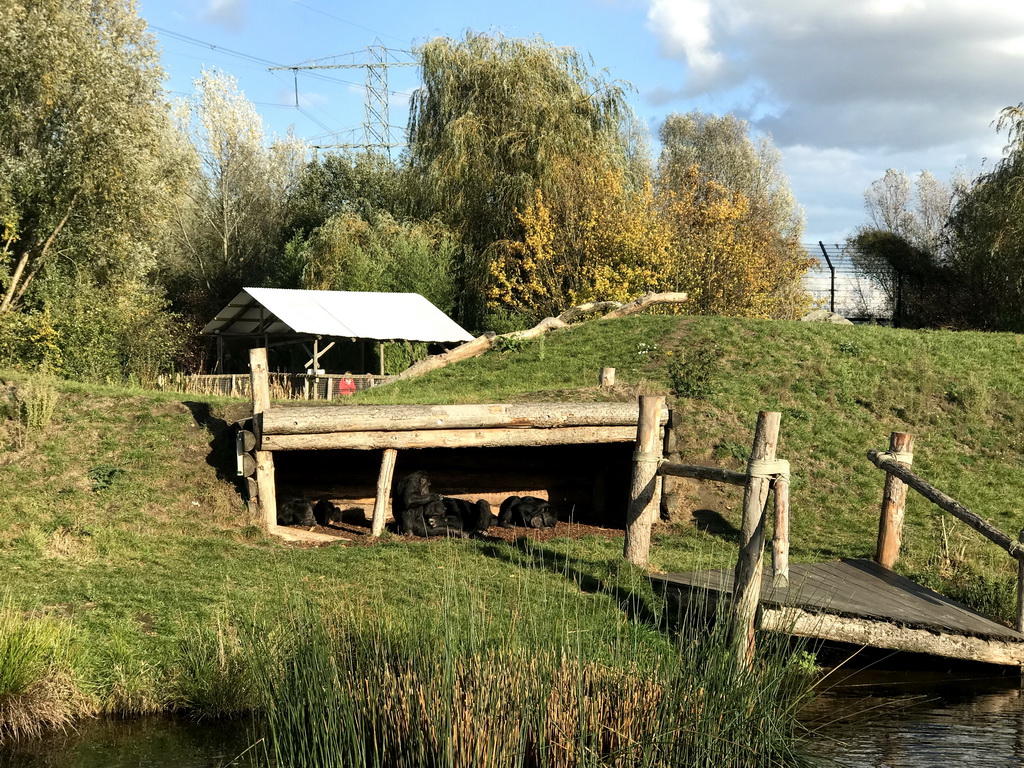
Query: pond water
(909, 720)
(865, 721)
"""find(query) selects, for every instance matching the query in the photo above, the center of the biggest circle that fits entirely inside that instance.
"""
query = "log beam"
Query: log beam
(308, 420)
(646, 302)
(450, 438)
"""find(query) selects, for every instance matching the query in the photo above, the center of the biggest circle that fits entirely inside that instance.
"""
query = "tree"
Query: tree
(724, 153)
(735, 223)
(83, 173)
(349, 253)
(231, 228)
(915, 210)
(495, 121)
(986, 233)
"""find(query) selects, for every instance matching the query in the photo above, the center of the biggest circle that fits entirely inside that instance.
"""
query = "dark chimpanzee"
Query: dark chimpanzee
(296, 511)
(527, 512)
(326, 512)
(476, 518)
(421, 512)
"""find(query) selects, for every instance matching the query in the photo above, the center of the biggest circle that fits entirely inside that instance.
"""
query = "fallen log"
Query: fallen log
(645, 302)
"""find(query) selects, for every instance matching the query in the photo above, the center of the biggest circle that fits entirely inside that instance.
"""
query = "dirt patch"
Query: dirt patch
(358, 534)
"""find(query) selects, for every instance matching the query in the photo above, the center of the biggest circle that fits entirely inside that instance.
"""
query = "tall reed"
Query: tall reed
(464, 690)
(37, 686)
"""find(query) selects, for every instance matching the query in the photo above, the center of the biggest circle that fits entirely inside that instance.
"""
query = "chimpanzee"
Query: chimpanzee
(527, 512)
(326, 512)
(476, 518)
(296, 511)
(421, 512)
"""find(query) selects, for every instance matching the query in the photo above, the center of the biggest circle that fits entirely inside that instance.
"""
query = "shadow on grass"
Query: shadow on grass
(222, 444)
(527, 553)
(711, 521)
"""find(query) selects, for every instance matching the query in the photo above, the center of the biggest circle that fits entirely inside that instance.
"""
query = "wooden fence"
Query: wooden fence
(896, 463)
(283, 386)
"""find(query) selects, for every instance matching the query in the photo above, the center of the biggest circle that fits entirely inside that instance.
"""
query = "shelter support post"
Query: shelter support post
(265, 486)
(894, 502)
(747, 578)
(645, 489)
(1018, 623)
(380, 505)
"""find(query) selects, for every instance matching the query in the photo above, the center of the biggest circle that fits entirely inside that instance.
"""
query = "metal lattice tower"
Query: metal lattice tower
(377, 60)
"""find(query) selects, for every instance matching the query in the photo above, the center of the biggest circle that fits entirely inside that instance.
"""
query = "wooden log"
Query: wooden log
(884, 634)
(383, 500)
(716, 474)
(606, 378)
(747, 577)
(246, 465)
(308, 420)
(546, 325)
(575, 313)
(1018, 623)
(450, 438)
(473, 348)
(894, 504)
(246, 440)
(780, 534)
(644, 499)
(646, 302)
(266, 489)
(951, 505)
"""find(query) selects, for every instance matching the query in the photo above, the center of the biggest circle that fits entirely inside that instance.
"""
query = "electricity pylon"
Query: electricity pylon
(376, 123)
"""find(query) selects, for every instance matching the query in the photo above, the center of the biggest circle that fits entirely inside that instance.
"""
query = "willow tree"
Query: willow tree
(493, 123)
(986, 231)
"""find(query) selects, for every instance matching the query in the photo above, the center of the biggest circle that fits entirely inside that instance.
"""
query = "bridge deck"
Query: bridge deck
(860, 601)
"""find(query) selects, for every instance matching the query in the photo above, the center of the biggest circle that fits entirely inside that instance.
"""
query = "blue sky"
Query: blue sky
(846, 89)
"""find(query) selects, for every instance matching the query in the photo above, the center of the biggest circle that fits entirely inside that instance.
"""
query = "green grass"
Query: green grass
(115, 525)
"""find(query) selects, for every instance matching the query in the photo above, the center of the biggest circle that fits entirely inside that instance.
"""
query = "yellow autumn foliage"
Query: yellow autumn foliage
(600, 242)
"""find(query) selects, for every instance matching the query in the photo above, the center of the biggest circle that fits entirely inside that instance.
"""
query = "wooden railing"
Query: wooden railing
(764, 474)
(283, 386)
(896, 463)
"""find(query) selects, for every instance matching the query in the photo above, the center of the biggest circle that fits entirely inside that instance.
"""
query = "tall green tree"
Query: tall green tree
(230, 227)
(83, 126)
(986, 232)
(493, 123)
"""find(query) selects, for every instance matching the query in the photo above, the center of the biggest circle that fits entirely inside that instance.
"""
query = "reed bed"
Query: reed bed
(460, 691)
(38, 689)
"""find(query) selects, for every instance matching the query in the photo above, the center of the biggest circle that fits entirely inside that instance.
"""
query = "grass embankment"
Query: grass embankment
(140, 564)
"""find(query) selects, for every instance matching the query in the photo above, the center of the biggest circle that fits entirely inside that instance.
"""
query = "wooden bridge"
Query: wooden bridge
(858, 602)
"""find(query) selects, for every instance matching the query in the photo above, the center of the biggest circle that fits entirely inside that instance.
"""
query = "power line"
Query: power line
(345, 21)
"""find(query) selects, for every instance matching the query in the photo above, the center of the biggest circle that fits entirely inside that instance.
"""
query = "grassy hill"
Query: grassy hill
(121, 530)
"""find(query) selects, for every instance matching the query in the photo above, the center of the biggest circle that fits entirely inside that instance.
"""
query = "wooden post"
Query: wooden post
(607, 377)
(747, 578)
(894, 503)
(330, 388)
(644, 500)
(380, 353)
(1019, 623)
(780, 533)
(380, 506)
(266, 490)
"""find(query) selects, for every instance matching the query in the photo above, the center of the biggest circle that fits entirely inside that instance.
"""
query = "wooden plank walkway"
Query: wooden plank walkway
(861, 602)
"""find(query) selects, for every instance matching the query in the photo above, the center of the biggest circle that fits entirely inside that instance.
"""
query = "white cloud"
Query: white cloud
(848, 89)
(227, 13)
(861, 73)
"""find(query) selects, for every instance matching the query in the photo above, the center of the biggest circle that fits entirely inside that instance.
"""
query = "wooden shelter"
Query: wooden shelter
(486, 451)
(318, 320)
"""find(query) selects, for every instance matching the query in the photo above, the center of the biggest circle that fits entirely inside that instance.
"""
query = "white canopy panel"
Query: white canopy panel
(356, 314)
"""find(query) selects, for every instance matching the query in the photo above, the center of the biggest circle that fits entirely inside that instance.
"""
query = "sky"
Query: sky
(846, 89)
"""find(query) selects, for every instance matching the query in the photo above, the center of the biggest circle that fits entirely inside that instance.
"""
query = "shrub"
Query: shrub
(692, 373)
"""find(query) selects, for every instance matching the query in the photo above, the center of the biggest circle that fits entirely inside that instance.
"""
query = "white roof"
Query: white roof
(356, 314)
